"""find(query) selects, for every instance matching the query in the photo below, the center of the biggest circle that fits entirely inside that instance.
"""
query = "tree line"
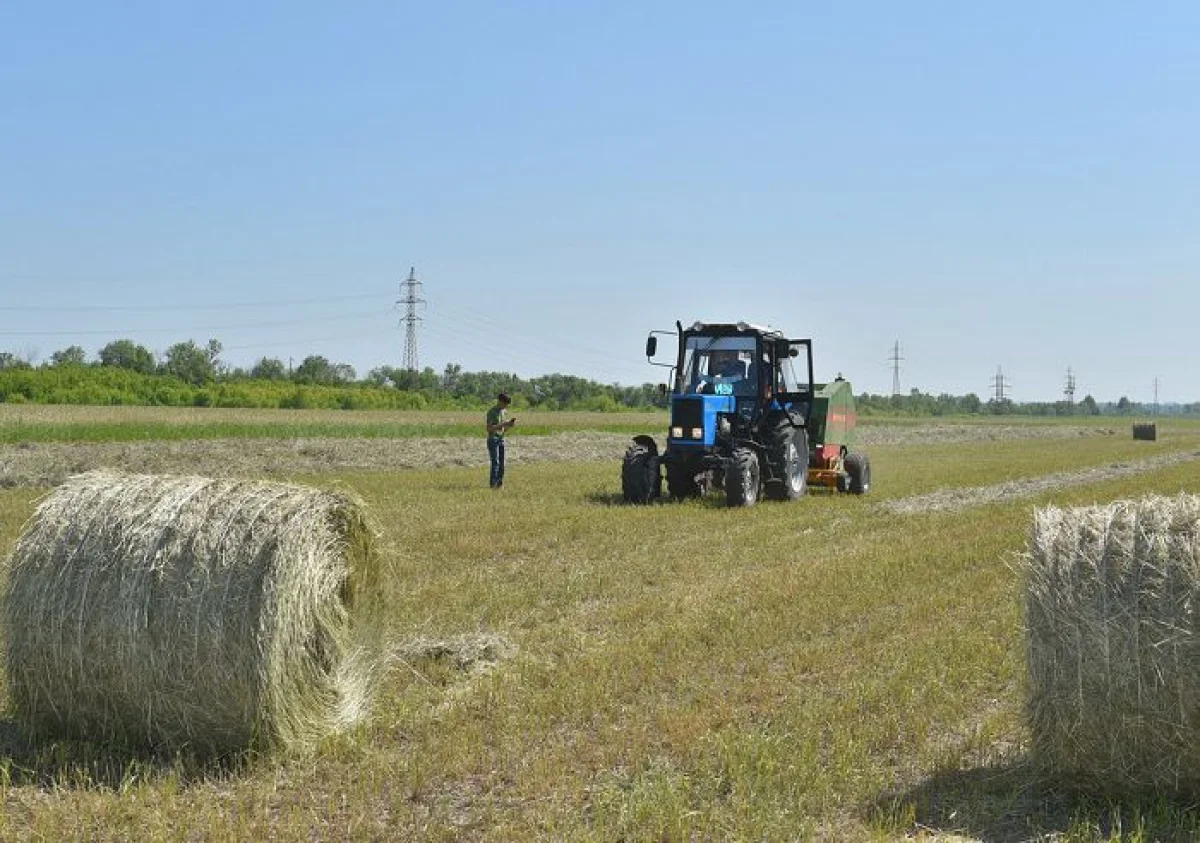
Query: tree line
(918, 403)
(189, 374)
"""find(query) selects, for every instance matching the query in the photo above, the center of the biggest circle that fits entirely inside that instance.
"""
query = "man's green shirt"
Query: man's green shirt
(497, 415)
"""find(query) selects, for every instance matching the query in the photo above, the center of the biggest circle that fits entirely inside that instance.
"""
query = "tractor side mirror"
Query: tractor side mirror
(651, 346)
(783, 349)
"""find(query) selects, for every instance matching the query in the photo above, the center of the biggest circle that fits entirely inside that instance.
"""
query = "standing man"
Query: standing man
(497, 423)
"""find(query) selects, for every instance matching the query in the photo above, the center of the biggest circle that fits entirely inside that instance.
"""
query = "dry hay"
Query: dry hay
(193, 613)
(1113, 618)
(469, 652)
(1147, 431)
(958, 499)
(50, 463)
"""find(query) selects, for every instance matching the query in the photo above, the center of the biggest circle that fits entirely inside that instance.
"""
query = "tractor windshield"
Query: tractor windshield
(720, 366)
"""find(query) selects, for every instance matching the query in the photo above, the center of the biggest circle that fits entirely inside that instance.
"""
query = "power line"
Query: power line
(296, 341)
(120, 308)
(278, 323)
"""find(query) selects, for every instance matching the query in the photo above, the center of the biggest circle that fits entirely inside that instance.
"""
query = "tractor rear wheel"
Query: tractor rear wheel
(640, 480)
(858, 467)
(742, 478)
(788, 457)
(681, 480)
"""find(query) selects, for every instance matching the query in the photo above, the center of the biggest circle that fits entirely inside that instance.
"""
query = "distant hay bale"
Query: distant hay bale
(1113, 618)
(1147, 431)
(191, 613)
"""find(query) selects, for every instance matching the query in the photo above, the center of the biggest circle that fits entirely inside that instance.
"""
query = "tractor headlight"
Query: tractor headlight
(677, 433)
(697, 433)
(724, 428)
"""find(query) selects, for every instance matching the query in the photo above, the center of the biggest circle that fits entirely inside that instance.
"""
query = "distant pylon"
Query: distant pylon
(999, 385)
(1156, 396)
(410, 297)
(895, 361)
(1069, 391)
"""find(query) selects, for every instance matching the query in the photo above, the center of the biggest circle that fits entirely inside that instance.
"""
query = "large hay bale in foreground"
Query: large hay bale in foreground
(193, 613)
(1113, 616)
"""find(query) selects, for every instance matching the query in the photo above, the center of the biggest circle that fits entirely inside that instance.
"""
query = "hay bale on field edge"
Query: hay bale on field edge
(1113, 622)
(193, 613)
(1147, 431)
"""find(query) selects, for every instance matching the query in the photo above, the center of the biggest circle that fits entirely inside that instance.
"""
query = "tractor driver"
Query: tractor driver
(725, 367)
(726, 364)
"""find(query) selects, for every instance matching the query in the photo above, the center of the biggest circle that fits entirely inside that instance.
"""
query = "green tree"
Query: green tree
(72, 355)
(191, 363)
(382, 376)
(314, 369)
(8, 360)
(1088, 406)
(126, 354)
(450, 377)
(269, 369)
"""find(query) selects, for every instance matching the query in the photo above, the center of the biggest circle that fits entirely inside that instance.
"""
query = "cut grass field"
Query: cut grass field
(68, 423)
(568, 667)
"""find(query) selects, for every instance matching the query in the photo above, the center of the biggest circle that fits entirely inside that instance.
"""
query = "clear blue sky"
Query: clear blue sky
(993, 184)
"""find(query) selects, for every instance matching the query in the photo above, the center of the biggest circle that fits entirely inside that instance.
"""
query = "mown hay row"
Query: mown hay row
(193, 613)
(1114, 645)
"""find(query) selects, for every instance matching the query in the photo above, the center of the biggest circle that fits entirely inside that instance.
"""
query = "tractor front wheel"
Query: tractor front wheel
(858, 467)
(742, 478)
(640, 480)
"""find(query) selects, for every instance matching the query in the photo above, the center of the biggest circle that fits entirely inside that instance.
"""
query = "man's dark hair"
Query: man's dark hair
(503, 398)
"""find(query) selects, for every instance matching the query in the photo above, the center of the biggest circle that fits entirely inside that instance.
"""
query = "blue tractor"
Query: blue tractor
(747, 417)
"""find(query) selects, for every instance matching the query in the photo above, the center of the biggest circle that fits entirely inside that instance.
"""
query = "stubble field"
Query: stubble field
(568, 667)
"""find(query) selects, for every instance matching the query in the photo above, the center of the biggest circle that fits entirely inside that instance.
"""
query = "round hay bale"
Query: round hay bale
(1147, 431)
(193, 613)
(1113, 620)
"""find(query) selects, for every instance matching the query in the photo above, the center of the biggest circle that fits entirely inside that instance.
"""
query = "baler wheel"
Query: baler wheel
(858, 466)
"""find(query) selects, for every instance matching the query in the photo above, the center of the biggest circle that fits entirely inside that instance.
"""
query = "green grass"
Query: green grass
(819, 669)
(37, 423)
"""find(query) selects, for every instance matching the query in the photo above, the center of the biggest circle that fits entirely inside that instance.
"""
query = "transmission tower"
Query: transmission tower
(1069, 391)
(410, 297)
(1156, 396)
(895, 361)
(999, 384)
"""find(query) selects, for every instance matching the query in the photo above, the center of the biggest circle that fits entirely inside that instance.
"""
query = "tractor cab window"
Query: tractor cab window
(788, 376)
(720, 366)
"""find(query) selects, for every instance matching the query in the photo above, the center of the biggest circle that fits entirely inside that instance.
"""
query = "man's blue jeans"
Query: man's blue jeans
(496, 452)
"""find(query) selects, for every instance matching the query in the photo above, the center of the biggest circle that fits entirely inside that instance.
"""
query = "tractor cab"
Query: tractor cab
(740, 371)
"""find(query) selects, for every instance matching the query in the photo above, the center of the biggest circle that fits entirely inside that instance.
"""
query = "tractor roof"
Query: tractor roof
(732, 328)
